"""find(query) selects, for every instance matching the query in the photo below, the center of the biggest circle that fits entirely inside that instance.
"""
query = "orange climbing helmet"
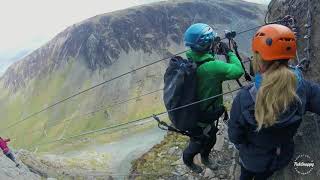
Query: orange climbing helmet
(275, 42)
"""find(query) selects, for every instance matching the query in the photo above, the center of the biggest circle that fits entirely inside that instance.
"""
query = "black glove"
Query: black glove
(223, 49)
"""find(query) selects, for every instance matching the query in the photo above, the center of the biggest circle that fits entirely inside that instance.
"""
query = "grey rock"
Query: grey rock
(192, 178)
(307, 140)
(208, 173)
(173, 150)
(178, 162)
(181, 170)
(219, 144)
(222, 172)
(221, 176)
(8, 171)
(176, 173)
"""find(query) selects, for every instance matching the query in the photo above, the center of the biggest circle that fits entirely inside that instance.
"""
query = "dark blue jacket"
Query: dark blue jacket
(271, 148)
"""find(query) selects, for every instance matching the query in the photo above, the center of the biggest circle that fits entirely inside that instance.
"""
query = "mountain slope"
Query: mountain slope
(103, 47)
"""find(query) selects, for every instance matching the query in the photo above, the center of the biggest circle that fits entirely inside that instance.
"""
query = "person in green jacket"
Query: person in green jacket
(211, 73)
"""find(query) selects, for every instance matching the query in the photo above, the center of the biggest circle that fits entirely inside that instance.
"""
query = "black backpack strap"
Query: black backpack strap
(177, 58)
(202, 62)
(164, 126)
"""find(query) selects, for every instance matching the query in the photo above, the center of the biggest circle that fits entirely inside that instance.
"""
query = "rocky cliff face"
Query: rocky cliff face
(307, 139)
(9, 171)
(299, 9)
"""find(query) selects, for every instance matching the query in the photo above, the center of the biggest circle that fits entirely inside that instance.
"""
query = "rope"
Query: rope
(97, 110)
(86, 90)
(115, 104)
(137, 120)
(105, 107)
(102, 83)
(268, 12)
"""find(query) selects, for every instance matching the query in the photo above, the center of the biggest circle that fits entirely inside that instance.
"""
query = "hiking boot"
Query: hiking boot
(188, 161)
(194, 168)
(211, 164)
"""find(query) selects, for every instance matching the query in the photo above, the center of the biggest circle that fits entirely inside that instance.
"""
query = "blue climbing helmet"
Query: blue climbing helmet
(199, 37)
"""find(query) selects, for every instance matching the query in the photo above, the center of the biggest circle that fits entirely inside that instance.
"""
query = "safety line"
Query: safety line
(99, 109)
(112, 79)
(104, 108)
(137, 120)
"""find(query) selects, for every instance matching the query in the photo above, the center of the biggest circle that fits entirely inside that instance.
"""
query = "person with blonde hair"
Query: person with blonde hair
(265, 116)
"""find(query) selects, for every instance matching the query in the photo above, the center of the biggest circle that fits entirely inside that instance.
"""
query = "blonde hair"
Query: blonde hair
(276, 93)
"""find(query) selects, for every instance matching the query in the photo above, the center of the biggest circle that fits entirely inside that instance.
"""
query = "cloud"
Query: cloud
(30, 23)
(27, 24)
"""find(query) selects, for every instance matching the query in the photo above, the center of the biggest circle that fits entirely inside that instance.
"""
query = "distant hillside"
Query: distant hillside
(103, 47)
(6, 61)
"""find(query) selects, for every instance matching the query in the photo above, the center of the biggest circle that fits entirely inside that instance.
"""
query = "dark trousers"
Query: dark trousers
(248, 175)
(11, 156)
(200, 145)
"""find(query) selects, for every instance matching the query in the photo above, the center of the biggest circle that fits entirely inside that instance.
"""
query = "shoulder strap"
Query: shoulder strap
(253, 93)
(202, 62)
(164, 126)
(211, 103)
(177, 58)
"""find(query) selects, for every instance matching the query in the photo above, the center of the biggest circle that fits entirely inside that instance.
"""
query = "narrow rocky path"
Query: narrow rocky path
(8, 171)
(164, 160)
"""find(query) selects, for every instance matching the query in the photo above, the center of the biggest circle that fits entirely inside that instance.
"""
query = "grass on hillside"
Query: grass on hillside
(156, 164)
(46, 90)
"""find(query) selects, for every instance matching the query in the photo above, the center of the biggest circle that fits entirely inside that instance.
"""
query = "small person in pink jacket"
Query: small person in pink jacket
(7, 151)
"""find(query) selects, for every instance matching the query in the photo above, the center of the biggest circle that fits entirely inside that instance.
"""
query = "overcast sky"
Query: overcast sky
(28, 24)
